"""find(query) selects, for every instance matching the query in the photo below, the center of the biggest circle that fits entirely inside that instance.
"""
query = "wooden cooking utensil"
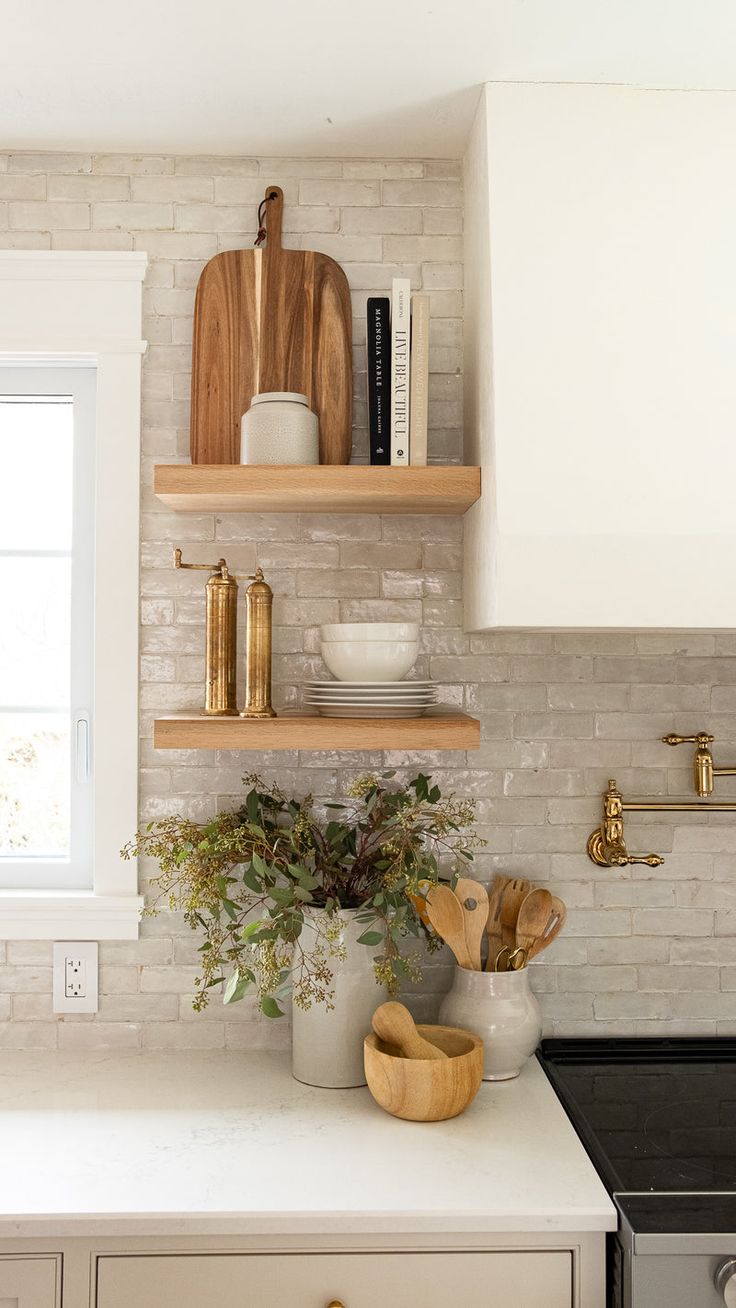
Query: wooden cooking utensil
(555, 923)
(493, 926)
(511, 901)
(445, 914)
(270, 320)
(474, 903)
(533, 918)
(394, 1024)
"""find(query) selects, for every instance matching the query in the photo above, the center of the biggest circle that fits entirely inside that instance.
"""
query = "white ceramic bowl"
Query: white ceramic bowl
(370, 660)
(362, 631)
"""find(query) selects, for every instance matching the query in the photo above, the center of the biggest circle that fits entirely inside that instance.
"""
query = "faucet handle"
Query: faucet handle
(651, 860)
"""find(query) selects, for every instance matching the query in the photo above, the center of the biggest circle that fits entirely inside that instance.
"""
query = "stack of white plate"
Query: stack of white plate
(370, 699)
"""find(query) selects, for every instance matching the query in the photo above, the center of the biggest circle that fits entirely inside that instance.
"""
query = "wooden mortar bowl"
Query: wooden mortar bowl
(425, 1089)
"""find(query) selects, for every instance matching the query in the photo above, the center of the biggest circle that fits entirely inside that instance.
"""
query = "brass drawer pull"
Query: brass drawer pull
(335, 1303)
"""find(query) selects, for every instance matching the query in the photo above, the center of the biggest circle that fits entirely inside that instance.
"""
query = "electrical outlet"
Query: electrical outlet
(75, 976)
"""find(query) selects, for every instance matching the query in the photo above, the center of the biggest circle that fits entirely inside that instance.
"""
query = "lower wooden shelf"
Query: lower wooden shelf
(290, 730)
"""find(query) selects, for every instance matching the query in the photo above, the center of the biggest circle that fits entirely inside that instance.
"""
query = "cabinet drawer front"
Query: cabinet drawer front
(474, 1280)
(29, 1282)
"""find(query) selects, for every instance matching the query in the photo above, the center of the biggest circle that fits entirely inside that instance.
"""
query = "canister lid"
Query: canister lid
(269, 396)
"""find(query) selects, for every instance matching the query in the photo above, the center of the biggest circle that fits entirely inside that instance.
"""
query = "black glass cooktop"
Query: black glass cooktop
(656, 1116)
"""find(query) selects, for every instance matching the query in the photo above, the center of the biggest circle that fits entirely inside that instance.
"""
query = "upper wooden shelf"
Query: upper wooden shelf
(240, 488)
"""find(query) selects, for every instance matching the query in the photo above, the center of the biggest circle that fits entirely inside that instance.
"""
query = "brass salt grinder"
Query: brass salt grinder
(221, 613)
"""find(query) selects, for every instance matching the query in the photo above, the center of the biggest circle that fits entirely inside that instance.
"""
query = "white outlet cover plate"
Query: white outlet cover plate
(86, 950)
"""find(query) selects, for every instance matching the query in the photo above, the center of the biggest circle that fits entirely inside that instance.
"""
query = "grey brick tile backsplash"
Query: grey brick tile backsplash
(647, 950)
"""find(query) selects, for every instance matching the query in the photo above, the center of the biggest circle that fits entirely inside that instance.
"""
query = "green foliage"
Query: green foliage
(264, 883)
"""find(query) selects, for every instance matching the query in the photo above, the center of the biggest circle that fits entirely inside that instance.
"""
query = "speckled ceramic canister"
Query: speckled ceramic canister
(501, 1008)
(279, 427)
(327, 1043)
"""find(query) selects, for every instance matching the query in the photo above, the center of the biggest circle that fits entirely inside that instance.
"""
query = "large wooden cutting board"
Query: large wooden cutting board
(270, 320)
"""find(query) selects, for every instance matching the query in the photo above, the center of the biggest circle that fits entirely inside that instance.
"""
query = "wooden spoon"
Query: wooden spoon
(555, 923)
(534, 916)
(474, 903)
(493, 925)
(394, 1024)
(445, 913)
(511, 901)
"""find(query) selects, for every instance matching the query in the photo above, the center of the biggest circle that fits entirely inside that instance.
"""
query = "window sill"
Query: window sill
(68, 915)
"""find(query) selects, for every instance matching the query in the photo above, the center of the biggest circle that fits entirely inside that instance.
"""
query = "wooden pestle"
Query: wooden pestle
(394, 1024)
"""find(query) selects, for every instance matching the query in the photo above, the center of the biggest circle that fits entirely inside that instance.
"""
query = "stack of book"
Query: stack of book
(398, 375)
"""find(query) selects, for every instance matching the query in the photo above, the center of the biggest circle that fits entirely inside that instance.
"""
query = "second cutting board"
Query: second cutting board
(270, 320)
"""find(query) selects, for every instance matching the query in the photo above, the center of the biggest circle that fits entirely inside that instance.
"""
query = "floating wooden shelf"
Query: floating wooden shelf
(256, 488)
(438, 730)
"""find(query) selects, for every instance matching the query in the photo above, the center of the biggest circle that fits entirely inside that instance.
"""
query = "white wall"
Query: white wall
(610, 216)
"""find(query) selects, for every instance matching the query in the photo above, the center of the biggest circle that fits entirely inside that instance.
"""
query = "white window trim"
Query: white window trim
(57, 308)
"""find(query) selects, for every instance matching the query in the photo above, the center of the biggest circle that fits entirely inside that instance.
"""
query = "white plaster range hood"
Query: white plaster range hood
(601, 358)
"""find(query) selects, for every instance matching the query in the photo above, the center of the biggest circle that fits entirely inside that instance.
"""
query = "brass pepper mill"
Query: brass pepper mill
(221, 613)
(258, 605)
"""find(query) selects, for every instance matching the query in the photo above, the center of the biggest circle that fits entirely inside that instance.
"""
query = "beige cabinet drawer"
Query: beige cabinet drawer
(474, 1280)
(29, 1282)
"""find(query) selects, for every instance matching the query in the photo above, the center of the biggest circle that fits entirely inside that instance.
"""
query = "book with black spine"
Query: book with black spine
(379, 378)
(400, 369)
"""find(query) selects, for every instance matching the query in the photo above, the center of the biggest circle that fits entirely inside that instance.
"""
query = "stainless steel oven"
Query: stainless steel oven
(658, 1118)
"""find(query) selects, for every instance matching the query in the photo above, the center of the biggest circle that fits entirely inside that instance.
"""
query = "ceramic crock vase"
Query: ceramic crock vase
(279, 427)
(502, 1009)
(327, 1043)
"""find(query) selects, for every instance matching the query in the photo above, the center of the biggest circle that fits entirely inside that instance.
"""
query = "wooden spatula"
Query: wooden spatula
(511, 901)
(394, 1024)
(474, 903)
(445, 914)
(534, 916)
(493, 925)
(555, 923)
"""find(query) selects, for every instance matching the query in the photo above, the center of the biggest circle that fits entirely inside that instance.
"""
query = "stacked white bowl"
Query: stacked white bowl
(369, 651)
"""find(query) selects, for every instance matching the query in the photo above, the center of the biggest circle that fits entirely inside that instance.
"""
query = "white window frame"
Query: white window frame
(74, 871)
(80, 308)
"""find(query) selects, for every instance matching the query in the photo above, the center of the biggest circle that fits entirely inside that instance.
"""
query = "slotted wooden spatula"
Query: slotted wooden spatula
(555, 923)
(270, 320)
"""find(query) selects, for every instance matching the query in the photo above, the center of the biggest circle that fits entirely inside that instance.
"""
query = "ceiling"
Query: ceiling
(325, 77)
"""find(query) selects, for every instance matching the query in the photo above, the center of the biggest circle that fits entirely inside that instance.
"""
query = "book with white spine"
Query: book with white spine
(400, 369)
(419, 388)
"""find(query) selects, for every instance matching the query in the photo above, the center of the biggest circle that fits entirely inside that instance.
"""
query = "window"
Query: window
(70, 394)
(46, 635)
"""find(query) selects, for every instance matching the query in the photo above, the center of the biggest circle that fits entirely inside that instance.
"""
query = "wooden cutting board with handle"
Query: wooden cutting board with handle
(270, 320)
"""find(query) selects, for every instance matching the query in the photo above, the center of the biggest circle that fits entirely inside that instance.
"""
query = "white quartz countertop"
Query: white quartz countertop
(229, 1144)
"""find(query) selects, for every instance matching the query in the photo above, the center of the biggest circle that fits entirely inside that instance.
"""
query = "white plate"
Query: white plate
(371, 703)
(370, 694)
(343, 712)
(368, 686)
(425, 695)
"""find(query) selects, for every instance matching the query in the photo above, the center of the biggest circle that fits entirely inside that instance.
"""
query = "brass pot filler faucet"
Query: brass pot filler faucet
(606, 845)
(221, 616)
